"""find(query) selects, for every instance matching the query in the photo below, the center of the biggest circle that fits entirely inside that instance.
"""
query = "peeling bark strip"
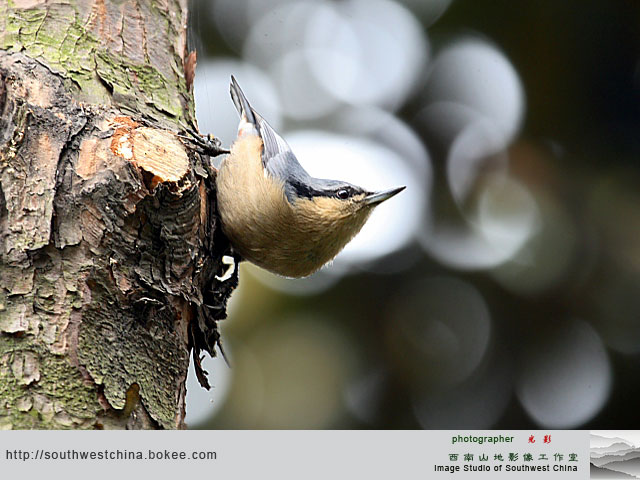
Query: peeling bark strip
(108, 239)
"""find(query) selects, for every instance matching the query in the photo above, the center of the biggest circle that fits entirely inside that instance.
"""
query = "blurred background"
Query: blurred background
(502, 288)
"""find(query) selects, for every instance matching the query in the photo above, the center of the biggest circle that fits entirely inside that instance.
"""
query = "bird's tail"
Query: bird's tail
(241, 102)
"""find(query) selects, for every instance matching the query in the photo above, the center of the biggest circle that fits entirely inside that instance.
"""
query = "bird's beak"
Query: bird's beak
(378, 197)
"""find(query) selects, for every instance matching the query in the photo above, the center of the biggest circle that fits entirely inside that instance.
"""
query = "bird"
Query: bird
(273, 212)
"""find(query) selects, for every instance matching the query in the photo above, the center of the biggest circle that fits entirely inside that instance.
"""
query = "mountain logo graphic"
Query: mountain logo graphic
(615, 454)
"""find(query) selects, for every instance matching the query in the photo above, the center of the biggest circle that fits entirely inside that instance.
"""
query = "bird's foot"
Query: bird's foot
(205, 145)
(231, 268)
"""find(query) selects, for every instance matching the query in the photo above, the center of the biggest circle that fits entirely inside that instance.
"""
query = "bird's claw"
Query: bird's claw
(206, 145)
(231, 268)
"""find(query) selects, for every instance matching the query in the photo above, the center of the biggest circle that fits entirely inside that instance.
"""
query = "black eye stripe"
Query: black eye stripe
(297, 189)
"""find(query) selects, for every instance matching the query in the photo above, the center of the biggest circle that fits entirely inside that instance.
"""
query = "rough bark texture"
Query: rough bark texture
(108, 239)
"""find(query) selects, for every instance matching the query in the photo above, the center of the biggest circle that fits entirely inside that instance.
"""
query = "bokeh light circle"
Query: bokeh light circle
(565, 379)
(441, 330)
(506, 217)
(477, 403)
(474, 73)
(293, 376)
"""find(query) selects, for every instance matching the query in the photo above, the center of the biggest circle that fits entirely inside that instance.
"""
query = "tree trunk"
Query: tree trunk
(108, 239)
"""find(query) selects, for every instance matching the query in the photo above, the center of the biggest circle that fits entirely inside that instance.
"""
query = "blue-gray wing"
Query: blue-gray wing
(281, 163)
(277, 157)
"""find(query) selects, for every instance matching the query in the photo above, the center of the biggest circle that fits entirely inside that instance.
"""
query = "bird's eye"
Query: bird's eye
(343, 194)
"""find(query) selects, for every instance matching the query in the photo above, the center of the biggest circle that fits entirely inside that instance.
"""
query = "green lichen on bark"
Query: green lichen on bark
(128, 81)
(35, 376)
(40, 390)
(66, 37)
(70, 52)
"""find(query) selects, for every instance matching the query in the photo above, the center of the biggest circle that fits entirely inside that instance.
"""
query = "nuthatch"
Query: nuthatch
(274, 213)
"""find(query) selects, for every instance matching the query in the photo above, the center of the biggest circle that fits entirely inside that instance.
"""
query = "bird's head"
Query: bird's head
(339, 208)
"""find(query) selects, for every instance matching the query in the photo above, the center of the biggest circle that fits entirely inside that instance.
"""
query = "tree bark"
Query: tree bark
(108, 239)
